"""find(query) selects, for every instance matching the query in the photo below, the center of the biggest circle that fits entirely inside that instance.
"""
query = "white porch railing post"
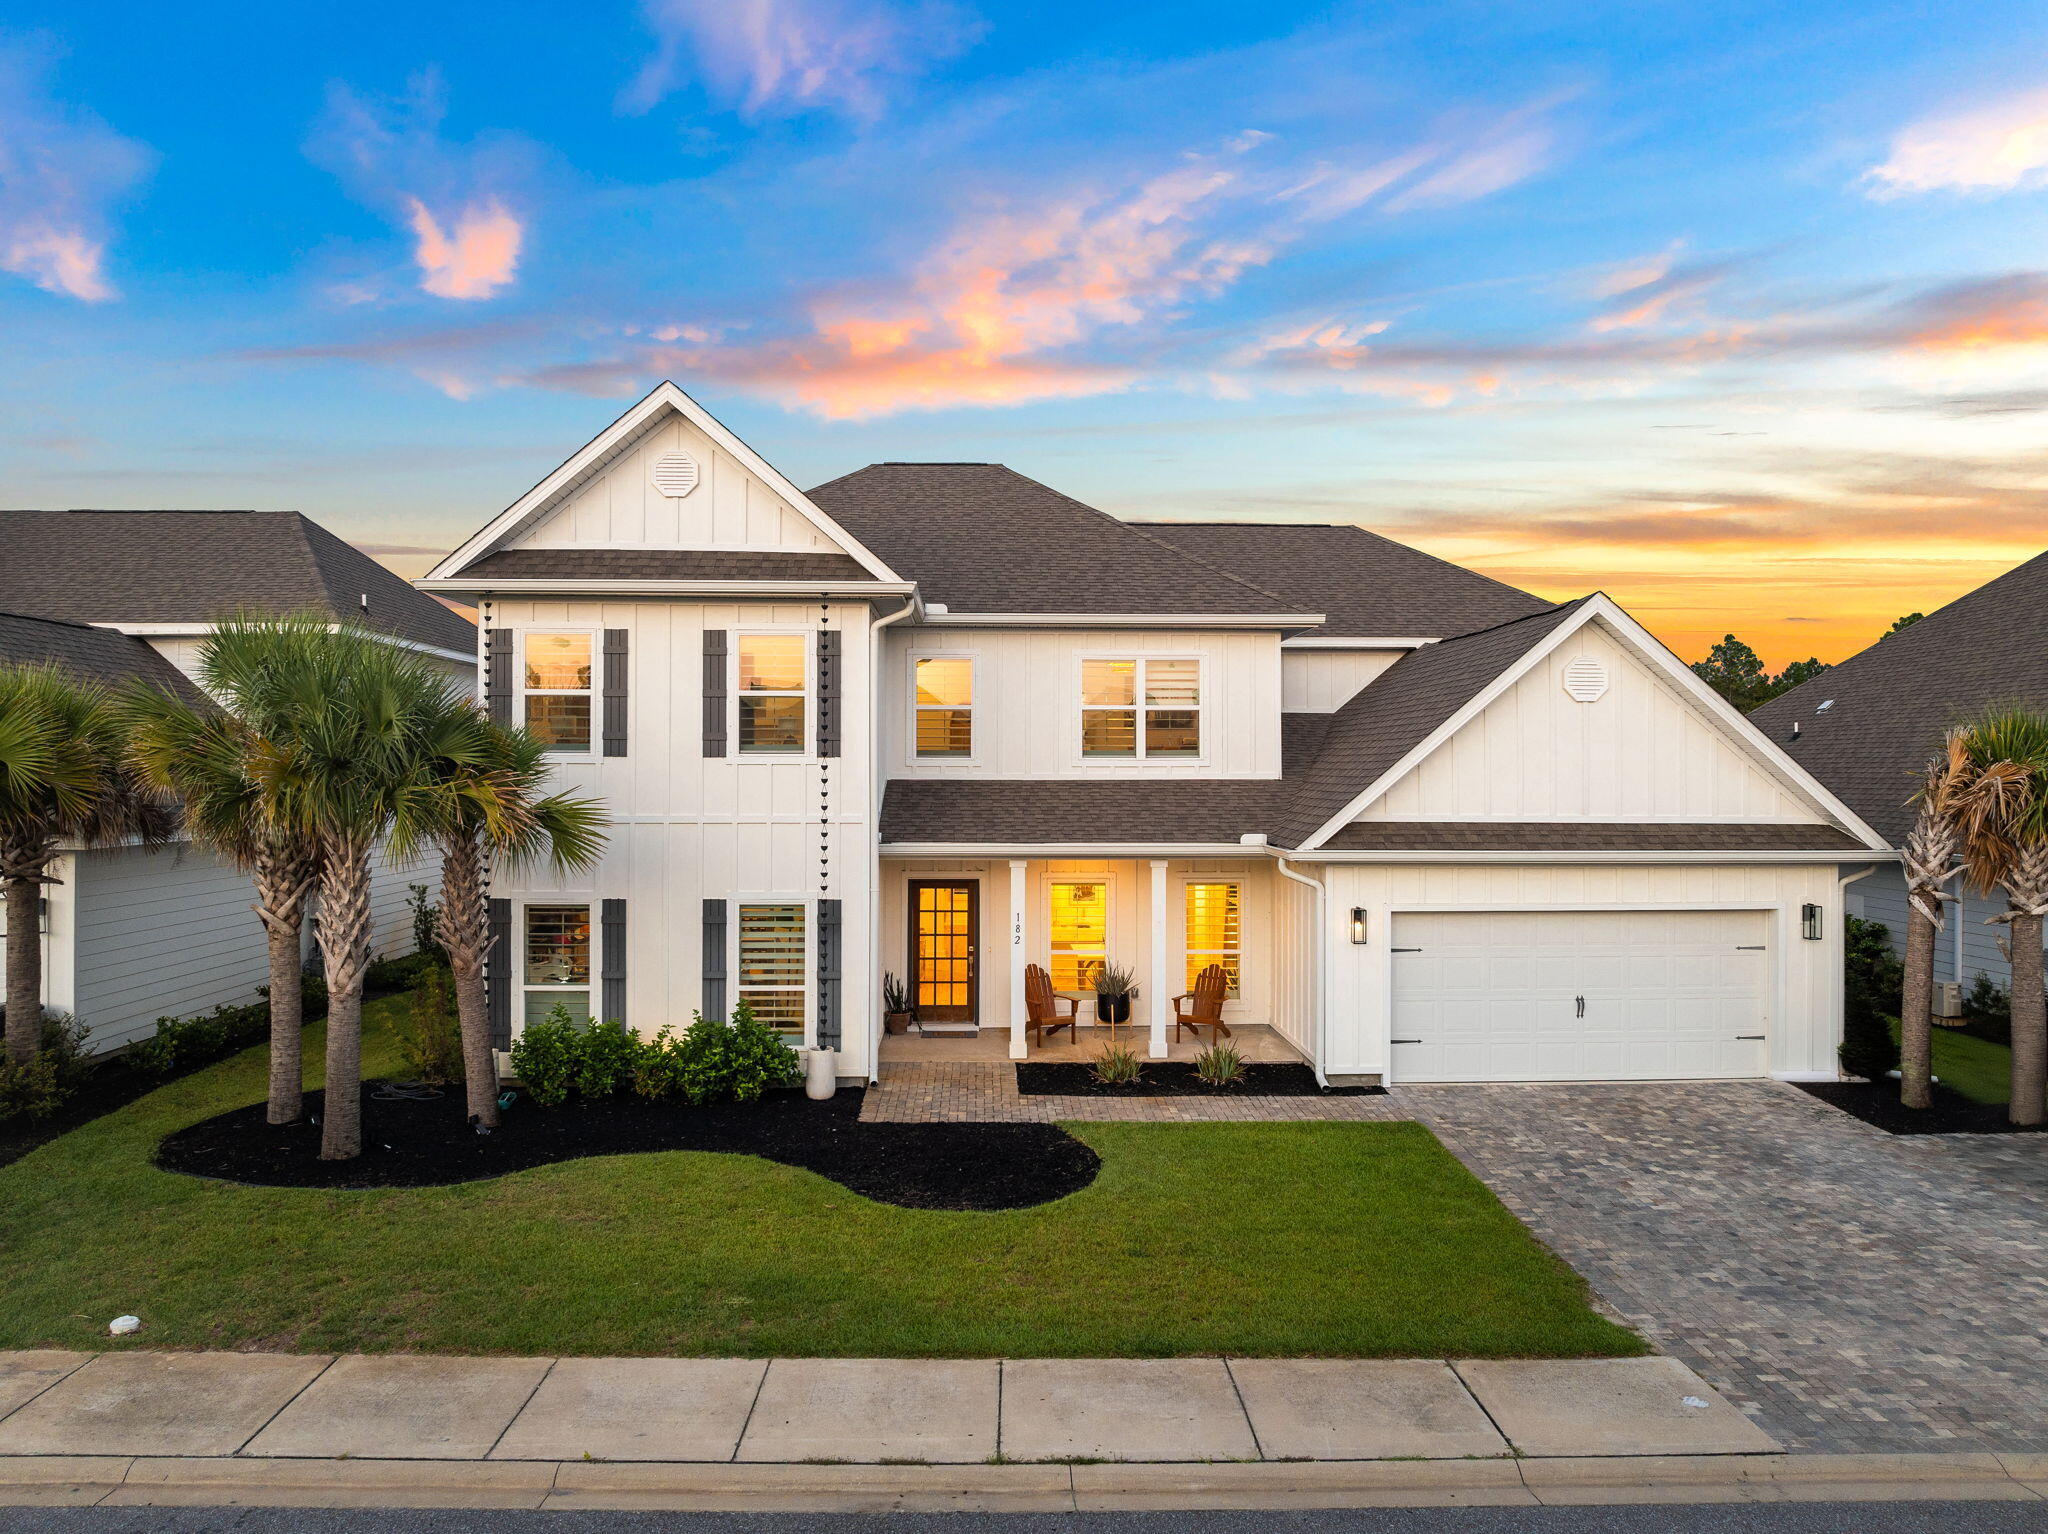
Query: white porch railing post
(1019, 1036)
(1162, 1002)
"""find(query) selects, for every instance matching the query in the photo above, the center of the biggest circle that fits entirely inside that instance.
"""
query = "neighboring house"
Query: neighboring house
(1868, 727)
(941, 720)
(131, 935)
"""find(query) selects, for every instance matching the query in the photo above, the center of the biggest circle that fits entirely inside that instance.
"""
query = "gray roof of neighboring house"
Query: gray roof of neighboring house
(667, 565)
(1367, 586)
(1399, 710)
(199, 566)
(1585, 836)
(980, 537)
(97, 655)
(1892, 703)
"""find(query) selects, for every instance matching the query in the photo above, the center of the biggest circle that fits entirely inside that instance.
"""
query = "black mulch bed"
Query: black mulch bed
(1951, 1113)
(414, 1144)
(1176, 1078)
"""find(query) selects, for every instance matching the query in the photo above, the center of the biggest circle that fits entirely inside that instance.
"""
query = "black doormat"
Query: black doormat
(417, 1144)
(1176, 1078)
(1951, 1113)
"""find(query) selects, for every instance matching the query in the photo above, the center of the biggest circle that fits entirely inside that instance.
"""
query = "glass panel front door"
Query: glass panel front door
(944, 950)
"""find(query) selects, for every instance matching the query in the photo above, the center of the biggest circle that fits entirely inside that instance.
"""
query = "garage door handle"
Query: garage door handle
(1749, 947)
(1749, 1036)
(1582, 1006)
(1407, 1041)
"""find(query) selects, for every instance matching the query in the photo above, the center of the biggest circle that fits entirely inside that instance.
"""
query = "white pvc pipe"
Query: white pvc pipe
(1322, 985)
(875, 788)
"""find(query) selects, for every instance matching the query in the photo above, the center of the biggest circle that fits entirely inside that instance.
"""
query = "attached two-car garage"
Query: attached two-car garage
(1592, 995)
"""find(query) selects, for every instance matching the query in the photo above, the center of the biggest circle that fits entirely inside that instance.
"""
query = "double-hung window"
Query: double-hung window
(1215, 929)
(943, 687)
(555, 968)
(773, 676)
(772, 964)
(560, 702)
(1141, 708)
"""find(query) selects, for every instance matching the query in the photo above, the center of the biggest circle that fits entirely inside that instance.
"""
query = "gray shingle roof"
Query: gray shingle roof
(1397, 712)
(198, 566)
(1584, 836)
(97, 655)
(666, 565)
(1049, 810)
(980, 537)
(1368, 586)
(1892, 702)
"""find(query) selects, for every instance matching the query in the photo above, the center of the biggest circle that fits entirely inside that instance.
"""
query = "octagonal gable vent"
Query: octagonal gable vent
(1585, 678)
(675, 474)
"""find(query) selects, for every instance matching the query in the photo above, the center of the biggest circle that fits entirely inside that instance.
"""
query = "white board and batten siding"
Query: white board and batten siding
(1641, 751)
(1320, 681)
(1027, 701)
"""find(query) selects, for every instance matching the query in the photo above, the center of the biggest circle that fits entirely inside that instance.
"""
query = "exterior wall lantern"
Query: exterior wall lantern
(1358, 924)
(1809, 922)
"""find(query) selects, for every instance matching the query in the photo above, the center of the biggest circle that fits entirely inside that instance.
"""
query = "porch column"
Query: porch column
(1019, 1037)
(1162, 987)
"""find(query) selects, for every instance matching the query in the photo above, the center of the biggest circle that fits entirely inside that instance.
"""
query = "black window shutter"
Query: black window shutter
(828, 974)
(500, 964)
(498, 674)
(614, 692)
(714, 960)
(613, 994)
(828, 692)
(714, 693)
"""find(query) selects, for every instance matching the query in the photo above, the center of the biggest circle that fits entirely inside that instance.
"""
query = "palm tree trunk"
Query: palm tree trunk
(1916, 1012)
(2028, 891)
(283, 881)
(465, 933)
(23, 864)
(345, 924)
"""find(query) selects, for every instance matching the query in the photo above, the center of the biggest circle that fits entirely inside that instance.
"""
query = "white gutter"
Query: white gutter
(1728, 855)
(201, 630)
(1346, 642)
(505, 586)
(876, 788)
(1070, 849)
(1111, 620)
(1322, 963)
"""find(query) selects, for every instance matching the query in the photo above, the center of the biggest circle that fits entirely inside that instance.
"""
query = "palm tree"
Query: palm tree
(483, 802)
(1932, 857)
(63, 777)
(2005, 847)
(212, 760)
(347, 716)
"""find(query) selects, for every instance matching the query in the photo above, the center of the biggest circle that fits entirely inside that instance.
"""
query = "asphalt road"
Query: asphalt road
(1720, 1518)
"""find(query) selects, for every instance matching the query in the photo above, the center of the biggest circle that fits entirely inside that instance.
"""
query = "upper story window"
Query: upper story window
(560, 703)
(943, 687)
(557, 962)
(773, 674)
(1141, 708)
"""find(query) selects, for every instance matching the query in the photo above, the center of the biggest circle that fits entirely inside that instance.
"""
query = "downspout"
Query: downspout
(1322, 985)
(1838, 990)
(875, 787)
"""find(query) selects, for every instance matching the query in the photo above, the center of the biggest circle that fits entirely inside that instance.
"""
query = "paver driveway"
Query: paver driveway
(1854, 1291)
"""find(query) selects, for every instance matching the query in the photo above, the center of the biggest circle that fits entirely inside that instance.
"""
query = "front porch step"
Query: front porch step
(949, 1030)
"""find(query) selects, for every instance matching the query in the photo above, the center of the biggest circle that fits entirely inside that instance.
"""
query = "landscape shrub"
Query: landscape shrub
(544, 1057)
(1118, 1066)
(33, 1089)
(658, 1072)
(1873, 983)
(1220, 1065)
(426, 926)
(703, 1060)
(428, 1034)
(399, 974)
(606, 1054)
(761, 1057)
(180, 1043)
(1987, 1011)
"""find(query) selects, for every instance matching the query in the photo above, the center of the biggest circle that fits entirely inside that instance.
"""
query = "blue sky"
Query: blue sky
(1739, 312)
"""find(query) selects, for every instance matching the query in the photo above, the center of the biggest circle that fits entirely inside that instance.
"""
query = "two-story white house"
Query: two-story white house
(940, 720)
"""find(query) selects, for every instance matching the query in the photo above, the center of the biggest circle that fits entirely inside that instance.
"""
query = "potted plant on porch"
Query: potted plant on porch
(1115, 987)
(895, 1004)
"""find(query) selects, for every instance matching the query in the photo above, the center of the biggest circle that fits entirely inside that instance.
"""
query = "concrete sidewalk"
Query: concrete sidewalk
(277, 1407)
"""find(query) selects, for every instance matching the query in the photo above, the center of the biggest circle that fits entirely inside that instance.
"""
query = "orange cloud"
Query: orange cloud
(476, 259)
(58, 261)
(2020, 319)
(2000, 147)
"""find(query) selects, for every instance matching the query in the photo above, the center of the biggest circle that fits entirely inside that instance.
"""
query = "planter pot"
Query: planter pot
(821, 1074)
(1113, 1009)
(896, 1022)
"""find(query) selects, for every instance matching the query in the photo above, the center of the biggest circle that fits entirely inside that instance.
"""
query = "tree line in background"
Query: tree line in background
(319, 745)
(1738, 673)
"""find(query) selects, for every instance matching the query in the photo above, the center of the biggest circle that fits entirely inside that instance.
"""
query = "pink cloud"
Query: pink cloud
(770, 56)
(2000, 147)
(474, 261)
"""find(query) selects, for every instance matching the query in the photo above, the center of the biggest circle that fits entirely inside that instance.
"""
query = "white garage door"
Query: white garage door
(1579, 995)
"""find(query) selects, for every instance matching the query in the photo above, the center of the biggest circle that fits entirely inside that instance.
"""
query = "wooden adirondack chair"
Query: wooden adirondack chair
(1203, 1006)
(1042, 1006)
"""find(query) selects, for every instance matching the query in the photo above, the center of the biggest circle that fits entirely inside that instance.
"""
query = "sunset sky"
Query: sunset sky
(1737, 311)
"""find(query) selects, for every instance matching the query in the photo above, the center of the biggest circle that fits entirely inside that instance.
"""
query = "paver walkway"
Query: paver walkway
(1853, 1291)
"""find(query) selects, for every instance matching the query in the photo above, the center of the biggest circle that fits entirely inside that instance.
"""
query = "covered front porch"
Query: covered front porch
(962, 931)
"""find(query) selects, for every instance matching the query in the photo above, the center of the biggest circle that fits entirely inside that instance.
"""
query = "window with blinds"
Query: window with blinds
(771, 677)
(1141, 708)
(556, 970)
(1080, 932)
(1214, 929)
(944, 690)
(772, 967)
(556, 680)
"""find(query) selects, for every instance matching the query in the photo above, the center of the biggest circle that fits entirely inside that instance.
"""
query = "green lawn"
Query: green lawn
(1977, 1068)
(1276, 1239)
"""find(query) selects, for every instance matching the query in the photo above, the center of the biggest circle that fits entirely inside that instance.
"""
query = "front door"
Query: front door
(945, 970)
